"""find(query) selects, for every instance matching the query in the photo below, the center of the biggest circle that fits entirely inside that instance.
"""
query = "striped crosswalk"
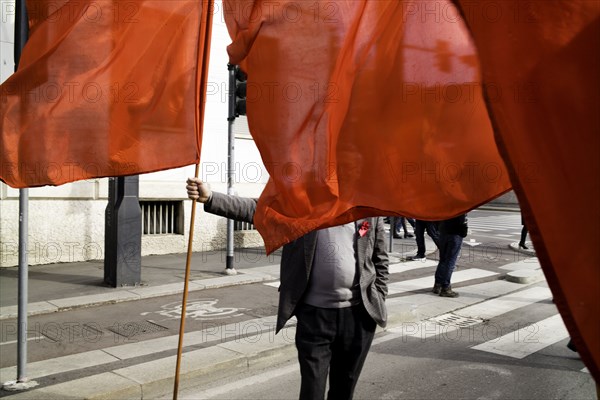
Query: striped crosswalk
(478, 306)
(509, 223)
(427, 282)
(503, 304)
(501, 298)
(528, 339)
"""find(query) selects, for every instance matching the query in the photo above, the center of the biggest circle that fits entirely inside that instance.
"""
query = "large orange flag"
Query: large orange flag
(104, 88)
(541, 59)
(362, 108)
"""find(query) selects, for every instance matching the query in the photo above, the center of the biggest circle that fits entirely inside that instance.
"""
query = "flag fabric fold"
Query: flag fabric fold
(362, 108)
(104, 88)
(540, 65)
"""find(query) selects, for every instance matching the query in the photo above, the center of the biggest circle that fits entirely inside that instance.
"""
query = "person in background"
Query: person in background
(522, 244)
(334, 281)
(452, 231)
(431, 227)
(400, 225)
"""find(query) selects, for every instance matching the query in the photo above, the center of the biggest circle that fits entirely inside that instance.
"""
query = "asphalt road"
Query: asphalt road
(516, 353)
(509, 346)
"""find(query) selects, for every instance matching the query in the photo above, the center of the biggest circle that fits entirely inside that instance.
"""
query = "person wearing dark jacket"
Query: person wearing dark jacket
(451, 231)
(334, 280)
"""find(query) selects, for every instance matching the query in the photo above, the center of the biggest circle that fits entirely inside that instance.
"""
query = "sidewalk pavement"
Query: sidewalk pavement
(65, 286)
(145, 369)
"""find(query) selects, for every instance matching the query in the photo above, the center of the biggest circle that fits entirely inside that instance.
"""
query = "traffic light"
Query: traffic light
(237, 92)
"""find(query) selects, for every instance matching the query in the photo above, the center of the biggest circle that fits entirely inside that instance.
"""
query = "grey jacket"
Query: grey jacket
(297, 259)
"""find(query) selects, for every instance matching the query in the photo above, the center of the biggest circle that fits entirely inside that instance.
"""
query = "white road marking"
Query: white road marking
(501, 305)
(427, 282)
(411, 265)
(36, 338)
(527, 340)
(528, 263)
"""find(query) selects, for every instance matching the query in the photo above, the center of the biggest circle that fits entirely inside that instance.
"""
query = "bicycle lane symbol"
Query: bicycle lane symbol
(202, 309)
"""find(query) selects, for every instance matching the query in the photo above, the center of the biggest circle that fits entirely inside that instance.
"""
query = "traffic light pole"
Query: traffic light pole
(229, 269)
(21, 36)
(237, 107)
(22, 382)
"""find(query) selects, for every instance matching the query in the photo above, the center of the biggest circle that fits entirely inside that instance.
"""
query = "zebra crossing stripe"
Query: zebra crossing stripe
(503, 223)
(494, 225)
(527, 340)
(501, 305)
(528, 263)
(427, 282)
(504, 219)
(411, 265)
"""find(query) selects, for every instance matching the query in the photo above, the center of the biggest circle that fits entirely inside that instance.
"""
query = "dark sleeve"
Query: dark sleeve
(454, 226)
(380, 258)
(232, 207)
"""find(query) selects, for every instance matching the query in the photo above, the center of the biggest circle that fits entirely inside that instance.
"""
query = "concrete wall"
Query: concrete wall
(7, 38)
(66, 223)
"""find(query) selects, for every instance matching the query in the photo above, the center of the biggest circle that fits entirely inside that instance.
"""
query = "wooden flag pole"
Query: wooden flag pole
(204, 57)
(185, 293)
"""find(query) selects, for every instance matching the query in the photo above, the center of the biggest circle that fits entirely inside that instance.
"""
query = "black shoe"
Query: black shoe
(448, 292)
(397, 236)
(418, 257)
(522, 246)
(571, 346)
(437, 288)
(408, 235)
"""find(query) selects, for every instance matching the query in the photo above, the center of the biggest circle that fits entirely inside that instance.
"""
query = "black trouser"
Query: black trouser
(523, 235)
(334, 340)
(432, 231)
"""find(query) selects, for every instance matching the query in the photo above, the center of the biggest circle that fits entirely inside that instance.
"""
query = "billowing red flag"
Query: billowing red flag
(363, 108)
(541, 61)
(104, 88)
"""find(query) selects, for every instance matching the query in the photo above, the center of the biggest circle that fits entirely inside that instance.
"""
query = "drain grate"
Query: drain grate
(131, 329)
(71, 332)
(456, 320)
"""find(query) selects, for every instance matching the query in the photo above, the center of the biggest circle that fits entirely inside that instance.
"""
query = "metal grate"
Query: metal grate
(162, 217)
(130, 329)
(451, 319)
(243, 226)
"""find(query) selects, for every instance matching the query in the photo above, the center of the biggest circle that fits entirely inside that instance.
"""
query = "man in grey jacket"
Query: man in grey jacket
(334, 281)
